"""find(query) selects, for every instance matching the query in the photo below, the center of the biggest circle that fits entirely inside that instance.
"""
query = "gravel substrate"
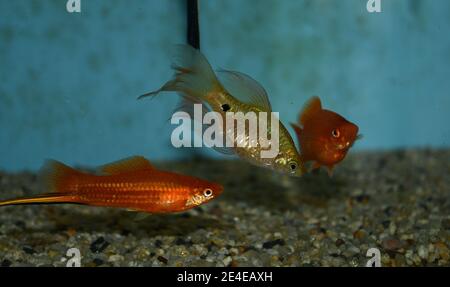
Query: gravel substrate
(398, 202)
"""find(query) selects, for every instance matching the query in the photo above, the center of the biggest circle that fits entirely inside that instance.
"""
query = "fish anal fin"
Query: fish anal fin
(141, 215)
(135, 163)
(311, 107)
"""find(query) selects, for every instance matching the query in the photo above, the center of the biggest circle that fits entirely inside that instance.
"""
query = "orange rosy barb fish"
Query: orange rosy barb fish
(131, 183)
(324, 136)
(235, 93)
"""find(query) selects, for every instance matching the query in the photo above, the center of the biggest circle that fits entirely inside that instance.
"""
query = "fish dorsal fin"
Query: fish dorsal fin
(245, 88)
(311, 107)
(130, 164)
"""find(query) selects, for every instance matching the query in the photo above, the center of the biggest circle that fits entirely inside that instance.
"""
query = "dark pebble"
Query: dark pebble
(362, 198)
(162, 259)
(181, 241)
(389, 211)
(271, 244)
(99, 245)
(339, 242)
(248, 248)
(210, 246)
(386, 223)
(158, 243)
(98, 262)
(5, 263)
(28, 250)
(445, 223)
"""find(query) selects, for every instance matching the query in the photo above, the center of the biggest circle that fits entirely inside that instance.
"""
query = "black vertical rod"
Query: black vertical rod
(193, 33)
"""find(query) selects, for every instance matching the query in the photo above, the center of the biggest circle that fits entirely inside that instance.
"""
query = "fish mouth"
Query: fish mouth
(348, 144)
(344, 146)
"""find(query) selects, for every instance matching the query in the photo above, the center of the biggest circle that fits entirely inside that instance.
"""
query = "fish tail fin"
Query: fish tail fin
(58, 176)
(59, 179)
(193, 77)
(40, 199)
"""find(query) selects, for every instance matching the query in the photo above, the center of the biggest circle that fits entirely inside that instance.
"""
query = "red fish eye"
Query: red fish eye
(335, 133)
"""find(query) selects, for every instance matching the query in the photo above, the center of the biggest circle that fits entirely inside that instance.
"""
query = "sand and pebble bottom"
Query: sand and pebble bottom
(396, 201)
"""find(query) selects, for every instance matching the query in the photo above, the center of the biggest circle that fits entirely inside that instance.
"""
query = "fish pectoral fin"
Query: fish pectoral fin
(315, 166)
(330, 169)
(140, 215)
(245, 88)
(310, 109)
(135, 163)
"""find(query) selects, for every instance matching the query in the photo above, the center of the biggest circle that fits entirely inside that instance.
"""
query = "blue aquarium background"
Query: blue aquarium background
(69, 82)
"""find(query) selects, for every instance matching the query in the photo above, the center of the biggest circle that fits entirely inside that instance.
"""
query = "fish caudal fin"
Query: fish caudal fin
(46, 198)
(193, 77)
(59, 176)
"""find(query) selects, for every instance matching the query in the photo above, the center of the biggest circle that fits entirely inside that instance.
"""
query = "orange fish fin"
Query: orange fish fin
(315, 165)
(330, 169)
(130, 164)
(43, 198)
(58, 176)
(311, 108)
(298, 130)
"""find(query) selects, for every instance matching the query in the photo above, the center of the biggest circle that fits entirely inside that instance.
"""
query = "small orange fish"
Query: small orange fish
(131, 183)
(324, 136)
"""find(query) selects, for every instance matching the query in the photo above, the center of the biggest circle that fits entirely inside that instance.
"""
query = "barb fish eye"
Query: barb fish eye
(335, 133)
(207, 192)
(293, 165)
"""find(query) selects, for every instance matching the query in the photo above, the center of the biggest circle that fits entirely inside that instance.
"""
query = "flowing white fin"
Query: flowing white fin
(193, 77)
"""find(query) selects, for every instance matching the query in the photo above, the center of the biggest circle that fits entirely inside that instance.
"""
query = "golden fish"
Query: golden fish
(195, 80)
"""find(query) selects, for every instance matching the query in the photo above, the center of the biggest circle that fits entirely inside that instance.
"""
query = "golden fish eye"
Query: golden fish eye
(335, 133)
(207, 192)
